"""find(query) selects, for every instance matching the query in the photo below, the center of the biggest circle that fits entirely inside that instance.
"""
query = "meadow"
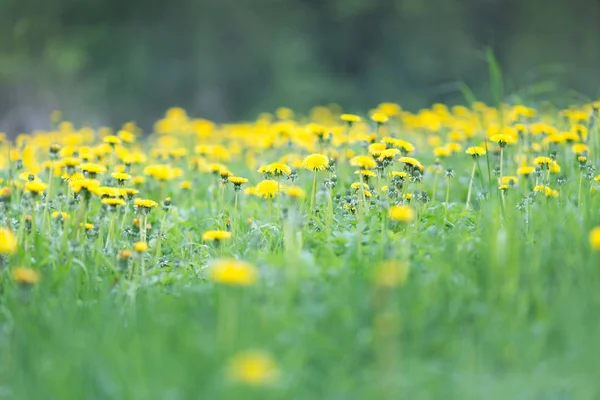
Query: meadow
(448, 253)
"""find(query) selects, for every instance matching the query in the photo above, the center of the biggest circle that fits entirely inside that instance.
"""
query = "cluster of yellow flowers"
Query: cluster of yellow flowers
(94, 182)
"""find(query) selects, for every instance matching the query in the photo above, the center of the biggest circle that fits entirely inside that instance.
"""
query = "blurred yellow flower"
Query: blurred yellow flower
(233, 272)
(25, 276)
(594, 238)
(401, 213)
(253, 367)
(216, 236)
(8, 241)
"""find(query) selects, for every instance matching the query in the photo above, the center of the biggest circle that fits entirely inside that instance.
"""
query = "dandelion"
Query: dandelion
(363, 162)
(145, 204)
(35, 187)
(543, 162)
(594, 238)
(92, 169)
(475, 151)
(295, 192)
(275, 169)
(8, 241)
(580, 148)
(350, 118)
(112, 140)
(187, 185)
(401, 213)
(508, 180)
(253, 367)
(113, 202)
(216, 236)
(60, 215)
(413, 162)
(441, 151)
(315, 162)
(525, 170)
(140, 247)
(503, 139)
(379, 117)
(233, 272)
(237, 182)
(120, 177)
(267, 189)
(25, 276)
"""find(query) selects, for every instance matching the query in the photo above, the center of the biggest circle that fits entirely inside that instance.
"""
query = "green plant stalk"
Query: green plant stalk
(471, 185)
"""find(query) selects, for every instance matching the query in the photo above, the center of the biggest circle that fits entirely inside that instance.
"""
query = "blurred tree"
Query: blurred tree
(109, 61)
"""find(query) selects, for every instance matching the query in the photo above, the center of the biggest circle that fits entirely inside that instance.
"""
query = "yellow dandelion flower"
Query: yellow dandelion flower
(315, 162)
(216, 236)
(525, 170)
(112, 140)
(267, 189)
(276, 168)
(388, 154)
(138, 180)
(140, 247)
(233, 272)
(121, 176)
(113, 202)
(8, 241)
(128, 192)
(60, 215)
(92, 168)
(185, 185)
(357, 185)
(25, 276)
(475, 151)
(350, 118)
(106, 191)
(376, 148)
(399, 174)
(35, 187)
(594, 238)
(508, 180)
(145, 203)
(363, 162)
(411, 161)
(503, 139)
(89, 185)
(70, 162)
(543, 162)
(580, 148)
(401, 213)
(159, 171)
(441, 151)
(126, 136)
(367, 173)
(379, 117)
(253, 367)
(295, 192)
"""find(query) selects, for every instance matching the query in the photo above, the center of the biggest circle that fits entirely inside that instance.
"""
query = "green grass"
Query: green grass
(501, 302)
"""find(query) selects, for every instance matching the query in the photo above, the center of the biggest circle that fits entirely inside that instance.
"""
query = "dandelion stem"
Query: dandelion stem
(579, 189)
(471, 184)
(447, 195)
(313, 196)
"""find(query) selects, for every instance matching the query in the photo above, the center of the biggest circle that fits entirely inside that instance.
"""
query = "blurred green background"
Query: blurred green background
(110, 61)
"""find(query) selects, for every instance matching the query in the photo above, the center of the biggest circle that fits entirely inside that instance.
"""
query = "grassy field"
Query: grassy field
(445, 254)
